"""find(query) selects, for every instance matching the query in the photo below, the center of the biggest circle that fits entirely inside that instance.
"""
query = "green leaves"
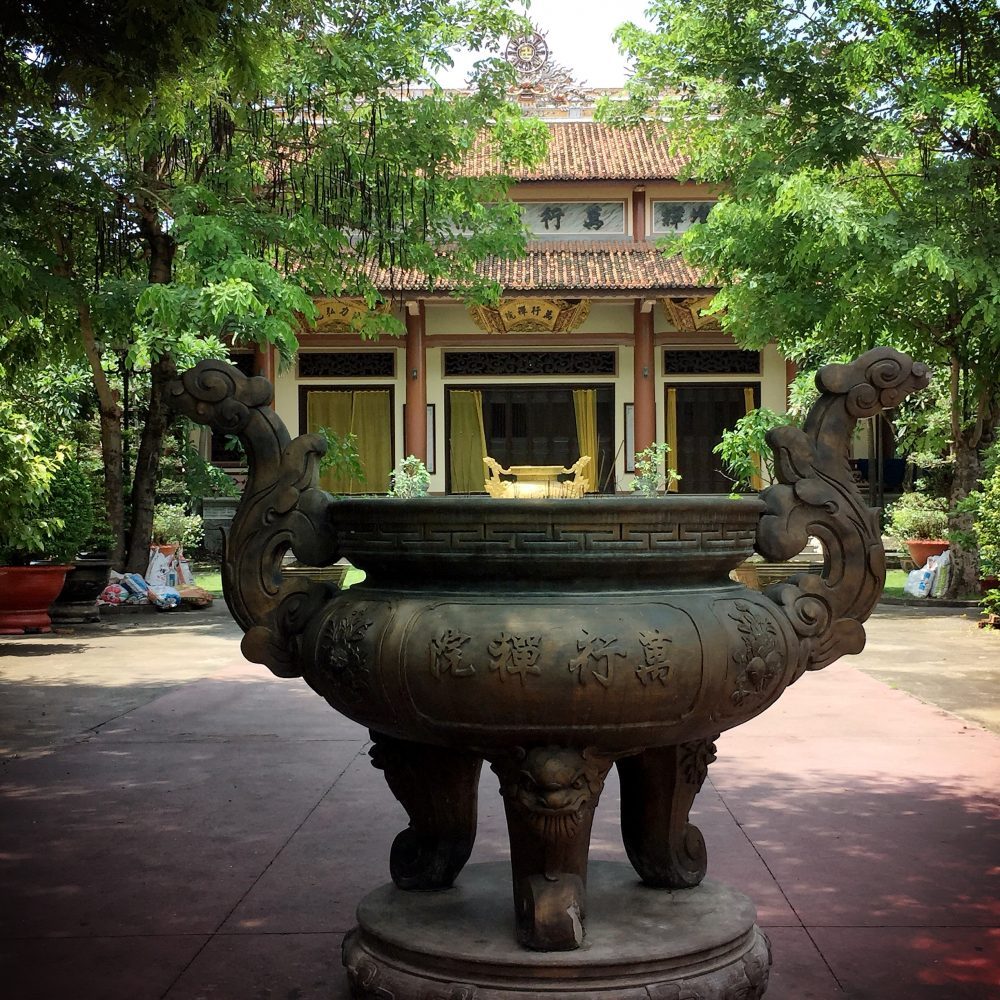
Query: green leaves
(856, 146)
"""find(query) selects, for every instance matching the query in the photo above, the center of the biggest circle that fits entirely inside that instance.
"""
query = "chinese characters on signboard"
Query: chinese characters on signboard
(574, 218)
(677, 216)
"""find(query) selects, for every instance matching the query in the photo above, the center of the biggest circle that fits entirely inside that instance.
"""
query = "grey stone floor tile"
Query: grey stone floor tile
(110, 838)
(96, 968)
(265, 967)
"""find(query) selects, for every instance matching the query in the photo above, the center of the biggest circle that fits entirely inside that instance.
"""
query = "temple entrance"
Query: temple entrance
(540, 425)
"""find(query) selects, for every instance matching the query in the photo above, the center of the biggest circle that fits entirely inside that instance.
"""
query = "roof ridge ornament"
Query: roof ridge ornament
(542, 82)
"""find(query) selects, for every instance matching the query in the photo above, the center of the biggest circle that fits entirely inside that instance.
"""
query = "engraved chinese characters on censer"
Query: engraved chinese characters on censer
(553, 639)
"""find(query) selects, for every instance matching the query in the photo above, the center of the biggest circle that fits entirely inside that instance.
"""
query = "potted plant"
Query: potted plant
(749, 462)
(744, 451)
(410, 479)
(991, 609)
(36, 541)
(649, 476)
(920, 521)
(174, 528)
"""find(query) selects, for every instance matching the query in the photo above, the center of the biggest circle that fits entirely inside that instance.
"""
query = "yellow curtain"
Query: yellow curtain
(585, 408)
(468, 442)
(755, 481)
(673, 459)
(331, 410)
(371, 422)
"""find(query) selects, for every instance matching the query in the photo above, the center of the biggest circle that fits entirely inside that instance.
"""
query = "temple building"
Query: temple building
(597, 347)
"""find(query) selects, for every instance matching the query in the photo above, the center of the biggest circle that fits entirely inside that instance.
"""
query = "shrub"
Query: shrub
(172, 525)
(744, 450)
(27, 470)
(71, 500)
(918, 516)
(410, 479)
(984, 505)
(649, 477)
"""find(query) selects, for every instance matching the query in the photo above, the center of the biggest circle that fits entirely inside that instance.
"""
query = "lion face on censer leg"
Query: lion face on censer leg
(554, 786)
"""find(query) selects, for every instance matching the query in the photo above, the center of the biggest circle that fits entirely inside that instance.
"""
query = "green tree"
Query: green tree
(857, 145)
(211, 212)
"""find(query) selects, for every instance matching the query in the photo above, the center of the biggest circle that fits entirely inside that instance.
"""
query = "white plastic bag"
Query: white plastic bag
(918, 582)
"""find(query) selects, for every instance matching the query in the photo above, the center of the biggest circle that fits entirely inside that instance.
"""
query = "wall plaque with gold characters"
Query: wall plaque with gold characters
(531, 315)
(343, 315)
(686, 314)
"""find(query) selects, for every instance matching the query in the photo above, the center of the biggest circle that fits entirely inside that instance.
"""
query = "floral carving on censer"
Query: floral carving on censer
(342, 656)
(760, 661)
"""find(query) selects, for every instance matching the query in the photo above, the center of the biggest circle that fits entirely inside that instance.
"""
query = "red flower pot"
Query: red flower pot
(921, 549)
(25, 595)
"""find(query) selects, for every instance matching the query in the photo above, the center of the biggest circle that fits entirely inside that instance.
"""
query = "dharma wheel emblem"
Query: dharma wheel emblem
(527, 53)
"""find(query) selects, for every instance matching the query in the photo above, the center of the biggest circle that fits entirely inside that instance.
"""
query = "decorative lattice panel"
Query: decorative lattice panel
(347, 364)
(720, 362)
(529, 363)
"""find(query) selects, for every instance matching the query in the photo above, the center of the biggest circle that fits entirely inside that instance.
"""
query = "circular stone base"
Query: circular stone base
(640, 944)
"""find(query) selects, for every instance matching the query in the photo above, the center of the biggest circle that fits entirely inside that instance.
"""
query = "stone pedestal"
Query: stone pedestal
(641, 944)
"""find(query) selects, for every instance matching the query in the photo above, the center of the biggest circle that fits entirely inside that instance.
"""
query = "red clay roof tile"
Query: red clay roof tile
(592, 151)
(577, 266)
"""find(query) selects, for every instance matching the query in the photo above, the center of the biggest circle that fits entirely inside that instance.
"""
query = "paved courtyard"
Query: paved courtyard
(179, 824)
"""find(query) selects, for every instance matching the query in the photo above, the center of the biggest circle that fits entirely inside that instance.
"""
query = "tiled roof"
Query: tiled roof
(589, 151)
(582, 266)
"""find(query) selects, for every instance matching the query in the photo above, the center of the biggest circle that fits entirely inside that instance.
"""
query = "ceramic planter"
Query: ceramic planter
(921, 549)
(552, 639)
(26, 593)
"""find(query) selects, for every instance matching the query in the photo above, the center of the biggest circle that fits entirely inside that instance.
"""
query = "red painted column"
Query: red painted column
(791, 370)
(415, 426)
(644, 380)
(263, 363)
(639, 215)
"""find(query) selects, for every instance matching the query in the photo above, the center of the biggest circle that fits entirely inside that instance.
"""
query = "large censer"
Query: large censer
(553, 639)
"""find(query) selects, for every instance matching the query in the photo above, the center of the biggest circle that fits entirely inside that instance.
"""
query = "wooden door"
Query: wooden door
(704, 411)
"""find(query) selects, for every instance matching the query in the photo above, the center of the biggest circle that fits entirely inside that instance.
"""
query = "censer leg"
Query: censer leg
(658, 788)
(550, 794)
(438, 788)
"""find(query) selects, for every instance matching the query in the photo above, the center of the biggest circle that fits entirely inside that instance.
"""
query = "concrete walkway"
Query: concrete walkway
(179, 824)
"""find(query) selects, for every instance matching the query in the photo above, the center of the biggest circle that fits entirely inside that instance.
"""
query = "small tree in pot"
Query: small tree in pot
(921, 522)
(174, 528)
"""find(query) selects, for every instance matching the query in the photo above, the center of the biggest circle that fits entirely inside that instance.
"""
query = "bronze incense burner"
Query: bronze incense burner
(553, 639)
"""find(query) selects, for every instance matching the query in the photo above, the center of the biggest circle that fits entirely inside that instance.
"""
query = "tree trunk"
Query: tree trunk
(147, 466)
(110, 412)
(963, 580)
(161, 249)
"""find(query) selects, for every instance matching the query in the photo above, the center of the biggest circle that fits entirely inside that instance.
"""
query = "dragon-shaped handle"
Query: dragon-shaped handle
(816, 495)
(281, 508)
